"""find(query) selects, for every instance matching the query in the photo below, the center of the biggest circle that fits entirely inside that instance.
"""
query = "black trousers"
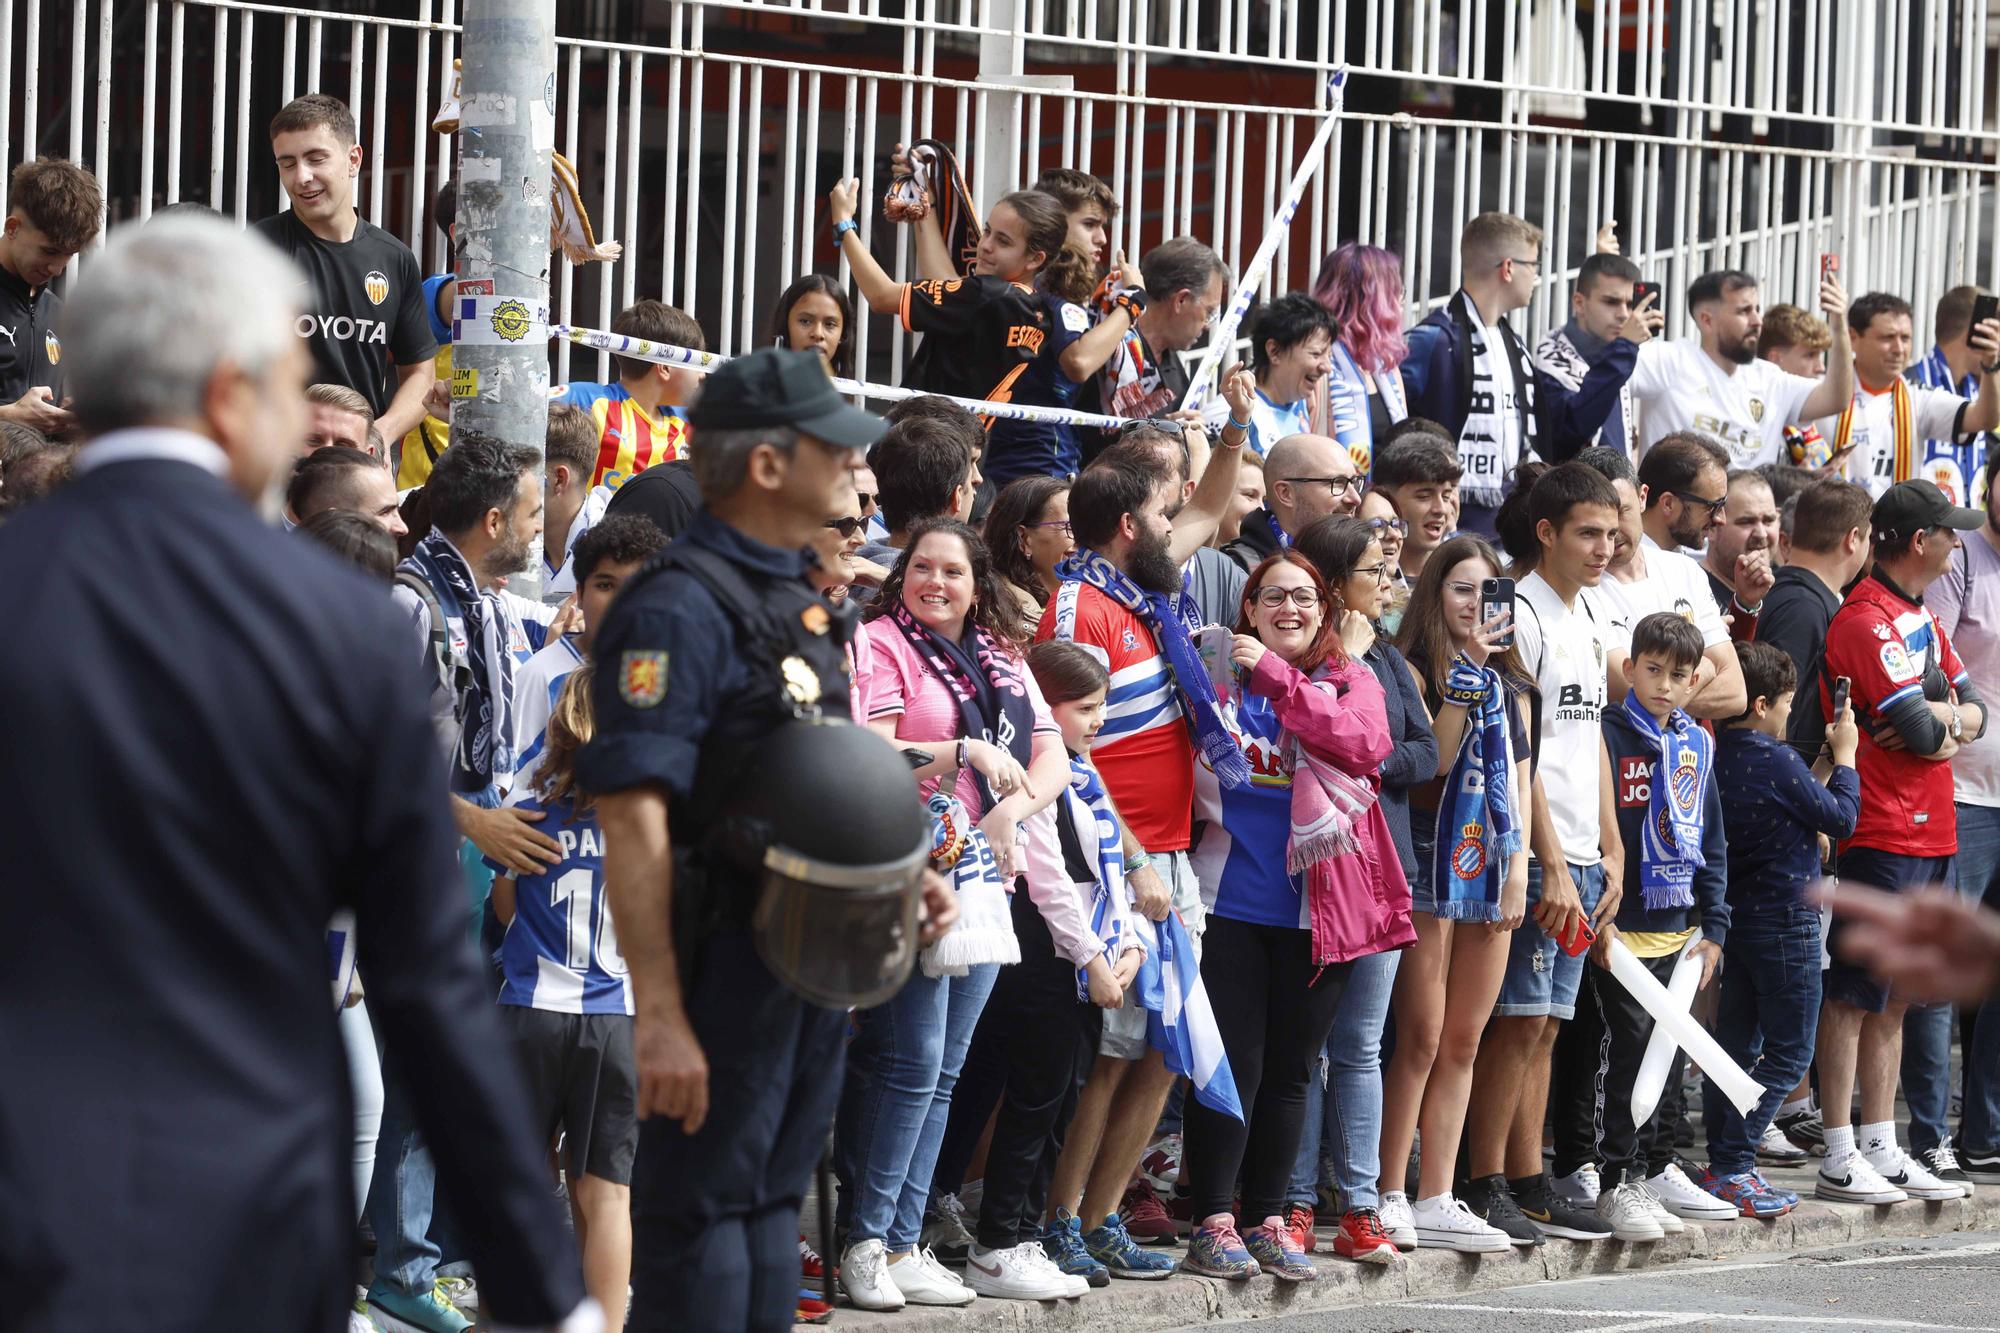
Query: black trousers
(1632, 1152)
(1576, 1084)
(1274, 1009)
(1038, 1038)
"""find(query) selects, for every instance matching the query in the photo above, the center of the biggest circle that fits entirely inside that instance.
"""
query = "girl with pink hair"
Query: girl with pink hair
(1362, 285)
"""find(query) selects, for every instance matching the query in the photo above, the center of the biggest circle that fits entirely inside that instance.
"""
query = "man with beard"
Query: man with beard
(1716, 384)
(471, 634)
(1742, 557)
(1883, 427)
(1600, 306)
(1680, 488)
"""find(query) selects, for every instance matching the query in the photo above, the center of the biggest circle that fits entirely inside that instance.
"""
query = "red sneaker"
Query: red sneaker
(1299, 1222)
(812, 1310)
(1361, 1237)
(1146, 1218)
(812, 1268)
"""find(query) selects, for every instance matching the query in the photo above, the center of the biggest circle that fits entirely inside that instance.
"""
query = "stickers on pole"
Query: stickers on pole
(464, 382)
(499, 321)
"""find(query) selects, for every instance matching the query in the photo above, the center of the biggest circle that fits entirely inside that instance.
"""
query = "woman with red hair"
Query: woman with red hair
(1362, 286)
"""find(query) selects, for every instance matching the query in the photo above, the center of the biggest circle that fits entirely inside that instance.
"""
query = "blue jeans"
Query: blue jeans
(901, 1069)
(399, 1203)
(1979, 880)
(1347, 1105)
(1541, 980)
(1767, 1017)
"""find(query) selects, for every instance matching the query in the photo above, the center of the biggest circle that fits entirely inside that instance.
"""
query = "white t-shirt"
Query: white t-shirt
(1679, 387)
(1673, 582)
(1565, 651)
(1271, 422)
(1934, 414)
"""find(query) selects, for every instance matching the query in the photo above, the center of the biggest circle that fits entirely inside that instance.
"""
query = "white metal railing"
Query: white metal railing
(1743, 133)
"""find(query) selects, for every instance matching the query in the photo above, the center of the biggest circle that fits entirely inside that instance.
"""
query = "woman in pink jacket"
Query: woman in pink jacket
(1300, 878)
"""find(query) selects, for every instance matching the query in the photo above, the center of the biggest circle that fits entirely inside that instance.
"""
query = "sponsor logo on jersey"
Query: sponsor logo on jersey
(340, 328)
(376, 284)
(1756, 407)
(1635, 782)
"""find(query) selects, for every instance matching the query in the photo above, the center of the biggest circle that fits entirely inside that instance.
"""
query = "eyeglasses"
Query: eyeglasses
(1534, 262)
(1061, 525)
(867, 500)
(1395, 525)
(846, 527)
(1338, 485)
(1700, 501)
(1380, 573)
(1306, 598)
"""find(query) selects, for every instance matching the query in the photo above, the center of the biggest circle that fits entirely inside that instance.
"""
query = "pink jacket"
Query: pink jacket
(1341, 716)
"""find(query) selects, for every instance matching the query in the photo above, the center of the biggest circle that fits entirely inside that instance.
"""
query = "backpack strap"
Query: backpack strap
(453, 673)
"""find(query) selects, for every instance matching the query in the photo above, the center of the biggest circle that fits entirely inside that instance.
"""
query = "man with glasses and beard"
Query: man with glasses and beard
(1716, 384)
(1742, 557)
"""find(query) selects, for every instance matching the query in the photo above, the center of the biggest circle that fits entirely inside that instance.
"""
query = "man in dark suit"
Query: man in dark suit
(215, 737)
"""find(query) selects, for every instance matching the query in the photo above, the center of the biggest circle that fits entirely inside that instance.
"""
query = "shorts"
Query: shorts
(582, 1079)
(1125, 1027)
(1423, 839)
(1542, 980)
(1890, 871)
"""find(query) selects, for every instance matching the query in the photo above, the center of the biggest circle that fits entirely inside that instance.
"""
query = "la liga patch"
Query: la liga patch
(1896, 662)
(642, 677)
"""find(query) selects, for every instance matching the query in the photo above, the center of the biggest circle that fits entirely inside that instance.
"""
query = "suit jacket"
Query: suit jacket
(215, 736)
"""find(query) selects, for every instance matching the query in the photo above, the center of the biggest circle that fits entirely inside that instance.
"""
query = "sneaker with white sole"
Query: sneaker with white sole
(1161, 1165)
(1942, 1162)
(1019, 1273)
(1579, 1187)
(1669, 1221)
(1443, 1223)
(925, 1281)
(1904, 1172)
(1805, 1128)
(1777, 1149)
(399, 1311)
(1683, 1198)
(1980, 1167)
(1628, 1212)
(947, 1229)
(864, 1276)
(1398, 1220)
(1853, 1180)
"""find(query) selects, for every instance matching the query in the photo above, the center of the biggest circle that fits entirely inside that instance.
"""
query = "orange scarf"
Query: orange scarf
(1904, 428)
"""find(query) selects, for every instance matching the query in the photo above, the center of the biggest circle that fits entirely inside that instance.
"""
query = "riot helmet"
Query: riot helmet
(843, 841)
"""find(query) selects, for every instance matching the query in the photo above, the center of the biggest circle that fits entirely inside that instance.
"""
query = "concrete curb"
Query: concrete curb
(1183, 1300)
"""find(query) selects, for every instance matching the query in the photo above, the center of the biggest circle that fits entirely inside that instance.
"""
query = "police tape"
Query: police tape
(1274, 232)
(665, 354)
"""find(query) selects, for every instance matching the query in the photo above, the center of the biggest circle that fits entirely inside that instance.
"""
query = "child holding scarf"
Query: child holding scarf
(1670, 814)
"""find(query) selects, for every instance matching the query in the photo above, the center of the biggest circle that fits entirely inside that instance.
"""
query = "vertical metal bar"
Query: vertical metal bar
(605, 274)
(420, 144)
(380, 131)
(102, 154)
(218, 80)
(356, 59)
(565, 274)
(248, 47)
(733, 144)
(696, 115)
(753, 171)
(176, 46)
(149, 107)
(315, 45)
(676, 164)
(447, 146)
(31, 80)
(288, 83)
(635, 114)
(788, 203)
(79, 31)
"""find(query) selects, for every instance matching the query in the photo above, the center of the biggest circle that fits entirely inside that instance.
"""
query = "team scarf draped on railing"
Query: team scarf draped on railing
(666, 354)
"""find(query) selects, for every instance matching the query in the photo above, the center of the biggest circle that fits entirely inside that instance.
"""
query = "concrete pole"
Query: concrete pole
(500, 349)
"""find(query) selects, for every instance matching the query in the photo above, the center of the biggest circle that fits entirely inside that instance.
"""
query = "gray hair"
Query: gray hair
(162, 307)
(721, 458)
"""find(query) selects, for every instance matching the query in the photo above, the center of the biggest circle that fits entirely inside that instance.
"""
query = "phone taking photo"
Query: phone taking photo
(1829, 266)
(1985, 308)
(1642, 290)
(1214, 643)
(1842, 687)
(1496, 597)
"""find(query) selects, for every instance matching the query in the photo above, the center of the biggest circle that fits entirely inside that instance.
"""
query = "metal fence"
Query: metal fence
(1739, 133)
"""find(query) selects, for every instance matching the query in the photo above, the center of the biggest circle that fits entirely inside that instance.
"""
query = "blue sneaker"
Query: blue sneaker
(1747, 1193)
(1789, 1196)
(431, 1311)
(1113, 1246)
(1062, 1239)
(1215, 1249)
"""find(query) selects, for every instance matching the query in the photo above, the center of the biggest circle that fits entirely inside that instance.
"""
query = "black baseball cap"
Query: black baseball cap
(774, 387)
(1910, 507)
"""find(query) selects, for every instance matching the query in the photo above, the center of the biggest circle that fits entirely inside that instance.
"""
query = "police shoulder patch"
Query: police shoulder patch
(642, 677)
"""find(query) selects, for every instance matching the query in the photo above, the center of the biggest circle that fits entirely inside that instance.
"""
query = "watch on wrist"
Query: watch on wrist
(841, 228)
(1957, 728)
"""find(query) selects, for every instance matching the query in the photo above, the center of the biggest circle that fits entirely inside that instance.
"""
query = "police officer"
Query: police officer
(704, 657)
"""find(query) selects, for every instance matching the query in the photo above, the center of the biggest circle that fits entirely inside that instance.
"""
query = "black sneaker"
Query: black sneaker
(1805, 1129)
(1980, 1167)
(1551, 1215)
(1490, 1199)
(1942, 1162)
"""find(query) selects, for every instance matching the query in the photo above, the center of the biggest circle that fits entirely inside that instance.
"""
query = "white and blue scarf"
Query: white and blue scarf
(1105, 920)
(1476, 832)
(485, 706)
(1171, 620)
(1670, 843)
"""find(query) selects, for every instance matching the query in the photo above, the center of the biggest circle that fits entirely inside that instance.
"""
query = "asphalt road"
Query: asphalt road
(1947, 1283)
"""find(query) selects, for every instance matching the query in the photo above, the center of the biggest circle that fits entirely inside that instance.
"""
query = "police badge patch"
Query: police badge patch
(642, 677)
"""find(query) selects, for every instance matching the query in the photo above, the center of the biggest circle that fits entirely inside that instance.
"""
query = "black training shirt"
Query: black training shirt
(29, 352)
(367, 309)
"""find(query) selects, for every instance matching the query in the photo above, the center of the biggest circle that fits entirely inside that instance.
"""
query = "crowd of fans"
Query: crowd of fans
(1426, 668)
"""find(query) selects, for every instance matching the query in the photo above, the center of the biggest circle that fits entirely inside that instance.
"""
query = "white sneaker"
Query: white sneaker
(1443, 1223)
(1669, 1222)
(1777, 1149)
(947, 1225)
(1020, 1273)
(864, 1276)
(1579, 1187)
(1626, 1210)
(925, 1281)
(1850, 1179)
(1901, 1171)
(1397, 1221)
(1683, 1198)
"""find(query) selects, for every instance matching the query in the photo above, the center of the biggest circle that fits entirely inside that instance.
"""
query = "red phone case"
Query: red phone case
(1580, 940)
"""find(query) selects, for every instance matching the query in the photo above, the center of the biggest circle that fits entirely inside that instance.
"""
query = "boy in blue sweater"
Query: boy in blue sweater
(1675, 881)
(1768, 1015)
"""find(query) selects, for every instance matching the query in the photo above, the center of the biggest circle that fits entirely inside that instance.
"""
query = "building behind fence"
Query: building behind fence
(1750, 134)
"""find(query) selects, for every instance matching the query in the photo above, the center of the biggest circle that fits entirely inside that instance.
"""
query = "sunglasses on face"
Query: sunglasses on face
(1689, 498)
(867, 500)
(846, 527)
(1395, 525)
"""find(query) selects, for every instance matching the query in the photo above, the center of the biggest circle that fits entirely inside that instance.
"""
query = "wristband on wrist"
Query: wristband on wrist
(1243, 426)
(841, 228)
(1139, 862)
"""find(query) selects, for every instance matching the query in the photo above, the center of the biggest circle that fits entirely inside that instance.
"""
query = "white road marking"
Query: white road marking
(1671, 1318)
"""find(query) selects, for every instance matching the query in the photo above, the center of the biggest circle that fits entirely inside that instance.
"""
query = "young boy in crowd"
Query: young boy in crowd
(566, 1002)
(1768, 1013)
(1676, 864)
(641, 419)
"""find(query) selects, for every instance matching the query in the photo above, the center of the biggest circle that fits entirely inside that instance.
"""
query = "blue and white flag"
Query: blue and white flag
(1179, 1023)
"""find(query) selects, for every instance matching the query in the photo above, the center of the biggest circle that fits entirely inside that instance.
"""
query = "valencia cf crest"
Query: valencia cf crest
(376, 284)
(1756, 406)
(53, 346)
(801, 681)
(642, 678)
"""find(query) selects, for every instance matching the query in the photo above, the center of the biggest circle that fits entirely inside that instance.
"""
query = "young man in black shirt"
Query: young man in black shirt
(54, 209)
(368, 307)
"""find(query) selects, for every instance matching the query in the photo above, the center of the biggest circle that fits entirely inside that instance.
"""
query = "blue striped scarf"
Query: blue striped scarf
(1088, 788)
(1670, 844)
(1476, 831)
